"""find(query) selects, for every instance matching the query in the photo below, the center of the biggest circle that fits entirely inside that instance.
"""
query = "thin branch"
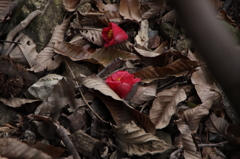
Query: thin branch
(220, 144)
(19, 28)
(66, 140)
(84, 99)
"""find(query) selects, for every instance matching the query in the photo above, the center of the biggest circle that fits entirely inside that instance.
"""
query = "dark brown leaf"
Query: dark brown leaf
(103, 56)
(155, 7)
(17, 102)
(14, 149)
(178, 68)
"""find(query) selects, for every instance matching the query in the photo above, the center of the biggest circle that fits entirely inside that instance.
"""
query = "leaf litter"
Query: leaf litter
(78, 107)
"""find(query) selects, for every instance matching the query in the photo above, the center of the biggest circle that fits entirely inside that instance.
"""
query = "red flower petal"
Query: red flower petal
(122, 89)
(118, 35)
(122, 82)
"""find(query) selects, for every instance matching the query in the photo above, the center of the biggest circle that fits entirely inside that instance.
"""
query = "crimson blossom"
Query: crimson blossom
(122, 82)
(113, 35)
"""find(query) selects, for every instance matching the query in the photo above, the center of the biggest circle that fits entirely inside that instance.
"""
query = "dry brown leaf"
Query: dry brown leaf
(210, 152)
(171, 16)
(70, 5)
(47, 59)
(121, 112)
(154, 42)
(6, 6)
(146, 53)
(14, 149)
(110, 10)
(194, 115)
(52, 151)
(17, 102)
(178, 68)
(130, 9)
(144, 93)
(202, 80)
(164, 106)
(161, 47)
(124, 46)
(76, 53)
(142, 36)
(219, 123)
(190, 149)
(133, 140)
(27, 50)
(154, 8)
(93, 35)
(61, 95)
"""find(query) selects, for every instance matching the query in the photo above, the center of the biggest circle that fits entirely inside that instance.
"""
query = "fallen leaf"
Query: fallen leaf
(210, 152)
(70, 5)
(146, 53)
(142, 36)
(121, 112)
(190, 149)
(130, 9)
(144, 93)
(154, 42)
(133, 140)
(44, 86)
(47, 59)
(103, 56)
(52, 151)
(178, 68)
(219, 123)
(194, 115)
(161, 47)
(154, 7)
(14, 149)
(17, 102)
(164, 106)
(6, 7)
(93, 35)
(170, 16)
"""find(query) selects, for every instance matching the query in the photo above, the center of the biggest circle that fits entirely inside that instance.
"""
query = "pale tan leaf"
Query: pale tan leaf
(155, 7)
(124, 46)
(144, 93)
(17, 102)
(219, 123)
(130, 9)
(146, 53)
(133, 140)
(121, 112)
(164, 106)
(70, 5)
(17, 55)
(44, 86)
(142, 36)
(178, 68)
(93, 35)
(14, 149)
(190, 149)
(28, 48)
(47, 59)
(194, 115)
(76, 53)
(210, 152)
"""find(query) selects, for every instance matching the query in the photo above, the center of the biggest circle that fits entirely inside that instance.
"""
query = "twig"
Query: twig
(18, 28)
(84, 99)
(220, 144)
(10, 42)
(174, 153)
(66, 140)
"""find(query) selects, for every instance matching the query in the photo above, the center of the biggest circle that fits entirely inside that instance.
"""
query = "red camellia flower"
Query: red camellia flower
(113, 35)
(122, 82)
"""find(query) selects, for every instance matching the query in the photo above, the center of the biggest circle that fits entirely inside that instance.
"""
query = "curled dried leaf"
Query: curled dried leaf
(178, 68)
(133, 140)
(12, 148)
(164, 106)
(130, 9)
(70, 5)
